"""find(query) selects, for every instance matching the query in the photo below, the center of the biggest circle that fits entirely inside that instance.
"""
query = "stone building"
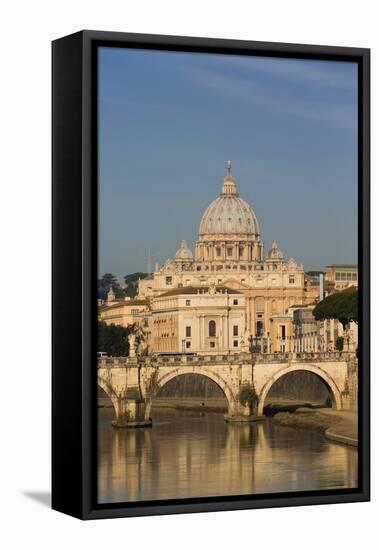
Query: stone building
(230, 253)
(124, 312)
(280, 334)
(209, 320)
(340, 276)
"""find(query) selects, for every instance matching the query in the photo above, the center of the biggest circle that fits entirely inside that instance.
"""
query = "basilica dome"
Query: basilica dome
(229, 214)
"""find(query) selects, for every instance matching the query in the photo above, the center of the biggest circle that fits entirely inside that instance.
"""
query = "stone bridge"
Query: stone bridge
(132, 383)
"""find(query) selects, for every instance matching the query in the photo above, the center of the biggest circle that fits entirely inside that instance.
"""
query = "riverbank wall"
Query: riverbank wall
(338, 426)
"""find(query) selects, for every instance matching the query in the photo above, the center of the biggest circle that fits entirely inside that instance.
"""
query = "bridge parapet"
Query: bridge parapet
(112, 362)
(304, 357)
(231, 359)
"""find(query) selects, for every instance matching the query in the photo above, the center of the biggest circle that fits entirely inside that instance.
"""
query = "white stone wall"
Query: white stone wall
(197, 311)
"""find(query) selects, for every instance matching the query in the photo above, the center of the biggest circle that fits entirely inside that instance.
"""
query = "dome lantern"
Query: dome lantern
(229, 186)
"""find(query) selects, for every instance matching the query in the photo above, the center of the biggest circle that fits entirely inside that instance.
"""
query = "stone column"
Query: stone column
(225, 332)
(201, 334)
(331, 332)
(252, 316)
(248, 313)
(132, 411)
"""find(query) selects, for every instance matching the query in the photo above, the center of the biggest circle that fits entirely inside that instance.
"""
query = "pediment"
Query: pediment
(236, 284)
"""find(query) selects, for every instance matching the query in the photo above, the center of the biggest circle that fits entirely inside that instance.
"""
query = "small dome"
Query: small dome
(184, 253)
(275, 253)
(229, 214)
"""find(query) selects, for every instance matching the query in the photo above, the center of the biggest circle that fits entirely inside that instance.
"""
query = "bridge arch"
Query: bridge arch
(329, 382)
(107, 388)
(221, 383)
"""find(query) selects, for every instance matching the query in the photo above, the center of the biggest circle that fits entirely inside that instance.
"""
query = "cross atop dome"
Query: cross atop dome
(229, 186)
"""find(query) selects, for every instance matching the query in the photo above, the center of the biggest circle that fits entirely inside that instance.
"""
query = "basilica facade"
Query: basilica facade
(229, 290)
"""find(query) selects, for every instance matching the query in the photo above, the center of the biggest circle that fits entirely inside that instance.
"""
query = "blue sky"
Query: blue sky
(168, 124)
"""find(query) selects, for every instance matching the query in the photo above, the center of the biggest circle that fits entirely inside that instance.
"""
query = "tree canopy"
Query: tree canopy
(113, 339)
(131, 281)
(342, 305)
(132, 277)
(107, 281)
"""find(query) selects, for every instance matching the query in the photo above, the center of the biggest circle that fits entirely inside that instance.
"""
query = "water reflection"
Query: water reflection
(191, 454)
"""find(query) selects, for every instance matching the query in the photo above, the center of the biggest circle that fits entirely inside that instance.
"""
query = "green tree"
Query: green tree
(248, 396)
(342, 305)
(113, 339)
(131, 281)
(107, 281)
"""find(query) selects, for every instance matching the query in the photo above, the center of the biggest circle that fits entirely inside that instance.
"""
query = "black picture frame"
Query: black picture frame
(74, 204)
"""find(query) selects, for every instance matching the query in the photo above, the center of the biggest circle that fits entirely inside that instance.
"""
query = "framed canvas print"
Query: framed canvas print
(210, 274)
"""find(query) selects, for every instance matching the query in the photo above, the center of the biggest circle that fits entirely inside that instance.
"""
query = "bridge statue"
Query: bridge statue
(132, 345)
(133, 382)
(245, 341)
(141, 340)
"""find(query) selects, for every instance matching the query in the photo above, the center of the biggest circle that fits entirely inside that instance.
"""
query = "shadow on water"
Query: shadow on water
(296, 390)
(273, 408)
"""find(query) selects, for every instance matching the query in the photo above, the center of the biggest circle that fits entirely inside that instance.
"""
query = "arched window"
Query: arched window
(212, 328)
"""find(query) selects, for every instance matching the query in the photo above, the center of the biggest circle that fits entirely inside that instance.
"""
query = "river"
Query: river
(191, 454)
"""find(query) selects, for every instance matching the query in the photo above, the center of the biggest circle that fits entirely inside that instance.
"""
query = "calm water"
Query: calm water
(192, 454)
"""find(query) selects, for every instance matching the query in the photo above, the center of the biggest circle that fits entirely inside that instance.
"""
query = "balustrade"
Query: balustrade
(232, 358)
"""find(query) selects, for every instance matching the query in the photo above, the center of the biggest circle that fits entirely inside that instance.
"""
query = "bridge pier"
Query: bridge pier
(133, 411)
(241, 413)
